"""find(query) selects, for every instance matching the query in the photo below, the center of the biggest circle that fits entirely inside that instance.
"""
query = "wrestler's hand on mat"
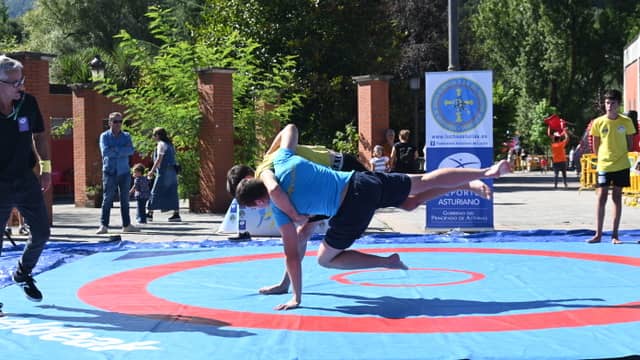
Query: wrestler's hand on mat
(291, 304)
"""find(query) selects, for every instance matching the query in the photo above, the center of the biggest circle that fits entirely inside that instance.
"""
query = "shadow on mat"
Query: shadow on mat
(398, 308)
(161, 323)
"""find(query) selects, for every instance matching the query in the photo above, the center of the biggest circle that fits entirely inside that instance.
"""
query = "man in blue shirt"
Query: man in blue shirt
(116, 147)
(350, 199)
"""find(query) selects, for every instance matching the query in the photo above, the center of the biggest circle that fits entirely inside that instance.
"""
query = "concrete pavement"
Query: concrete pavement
(522, 201)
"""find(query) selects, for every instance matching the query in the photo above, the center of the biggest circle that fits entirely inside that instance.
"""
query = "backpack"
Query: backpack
(405, 161)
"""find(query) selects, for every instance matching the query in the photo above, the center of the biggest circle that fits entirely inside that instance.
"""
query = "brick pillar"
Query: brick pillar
(90, 109)
(36, 72)
(373, 112)
(215, 89)
(87, 126)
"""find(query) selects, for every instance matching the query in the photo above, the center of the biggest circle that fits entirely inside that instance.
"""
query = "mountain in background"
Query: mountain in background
(18, 7)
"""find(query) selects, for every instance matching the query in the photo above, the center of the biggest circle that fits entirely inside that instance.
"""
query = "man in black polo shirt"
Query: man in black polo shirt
(22, 142)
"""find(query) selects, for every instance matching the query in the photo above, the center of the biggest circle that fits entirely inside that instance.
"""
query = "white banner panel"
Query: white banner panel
(459, 134)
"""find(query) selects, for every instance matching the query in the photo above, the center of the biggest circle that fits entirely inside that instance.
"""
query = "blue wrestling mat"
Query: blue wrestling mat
(502, 295)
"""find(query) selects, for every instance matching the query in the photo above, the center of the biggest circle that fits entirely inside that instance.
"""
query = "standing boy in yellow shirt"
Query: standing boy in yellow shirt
(612, 140)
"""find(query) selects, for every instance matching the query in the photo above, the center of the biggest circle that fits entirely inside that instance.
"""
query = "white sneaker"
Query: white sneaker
(130, 229)
(102, 230)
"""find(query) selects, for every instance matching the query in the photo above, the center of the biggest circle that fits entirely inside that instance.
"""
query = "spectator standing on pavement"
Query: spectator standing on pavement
(116, 148)
(22, 143)
(140, 191)
(612, 140)
(389, 141)
(523, 159)
(404, 156)
(164, 194)
(558, 144)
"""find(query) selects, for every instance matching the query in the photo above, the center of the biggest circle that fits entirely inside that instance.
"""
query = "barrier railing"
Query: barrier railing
(588, 173)
(589, 178)
(631, 194)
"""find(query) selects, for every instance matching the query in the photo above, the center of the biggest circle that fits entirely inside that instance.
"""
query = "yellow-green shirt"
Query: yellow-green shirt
(613, 150)
(314, 153)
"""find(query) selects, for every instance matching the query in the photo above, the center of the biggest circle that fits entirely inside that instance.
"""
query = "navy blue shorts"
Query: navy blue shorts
(560, 166)
(367, 192)
(619, 178)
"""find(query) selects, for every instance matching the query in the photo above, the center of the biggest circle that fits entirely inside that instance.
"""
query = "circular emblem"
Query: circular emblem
(458, 105)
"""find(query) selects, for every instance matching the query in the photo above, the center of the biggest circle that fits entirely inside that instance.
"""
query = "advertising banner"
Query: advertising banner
(459, 134)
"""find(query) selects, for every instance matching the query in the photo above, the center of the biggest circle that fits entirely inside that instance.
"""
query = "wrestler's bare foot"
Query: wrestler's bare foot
(615, 241)
(594, 240)
(480, 188)
(274, 289)
(496, 170)
(396, 263)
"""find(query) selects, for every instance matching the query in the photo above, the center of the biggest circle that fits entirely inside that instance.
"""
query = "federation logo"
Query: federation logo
(461, 160)
(459, 105)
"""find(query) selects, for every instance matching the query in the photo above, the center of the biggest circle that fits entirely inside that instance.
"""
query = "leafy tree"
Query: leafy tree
(166, 93)
(564, 52)
(68, 28)
(504, 112)
(10, 30)
(539, 140)
(332, 42)
(74, 67)
(421, 34)
(347, 141)
(65, 26)
(419, 45)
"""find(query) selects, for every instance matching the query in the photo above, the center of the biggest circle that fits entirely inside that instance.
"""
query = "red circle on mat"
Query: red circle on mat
(106, 293)
(343, 278)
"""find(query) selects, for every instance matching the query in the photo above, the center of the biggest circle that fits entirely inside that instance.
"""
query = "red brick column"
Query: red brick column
(215, 88)
(36, 72)
(90, 109)
(373, 112)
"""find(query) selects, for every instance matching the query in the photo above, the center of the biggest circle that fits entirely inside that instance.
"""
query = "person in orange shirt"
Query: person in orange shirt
(558, 144)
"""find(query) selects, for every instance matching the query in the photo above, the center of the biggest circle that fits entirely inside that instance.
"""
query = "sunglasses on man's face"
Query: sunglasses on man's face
(116, 121)
(16, 84)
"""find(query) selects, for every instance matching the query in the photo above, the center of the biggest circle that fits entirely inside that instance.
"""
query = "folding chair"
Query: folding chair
(7, 234)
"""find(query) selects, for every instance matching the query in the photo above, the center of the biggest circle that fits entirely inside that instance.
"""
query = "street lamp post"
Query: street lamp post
(97, 69)
(414, 85)
(453, 35)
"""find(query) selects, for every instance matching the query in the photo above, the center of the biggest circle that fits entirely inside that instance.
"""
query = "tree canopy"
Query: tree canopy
(546, 55)
(166, 92)
(561, 55)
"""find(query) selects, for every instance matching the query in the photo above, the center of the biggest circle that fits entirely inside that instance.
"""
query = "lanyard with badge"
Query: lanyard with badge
(23, 122)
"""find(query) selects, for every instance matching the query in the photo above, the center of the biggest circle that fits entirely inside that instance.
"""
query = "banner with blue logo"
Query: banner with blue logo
(459, 134)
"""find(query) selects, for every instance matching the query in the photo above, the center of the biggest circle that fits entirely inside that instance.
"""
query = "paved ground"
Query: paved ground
(523, 201)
